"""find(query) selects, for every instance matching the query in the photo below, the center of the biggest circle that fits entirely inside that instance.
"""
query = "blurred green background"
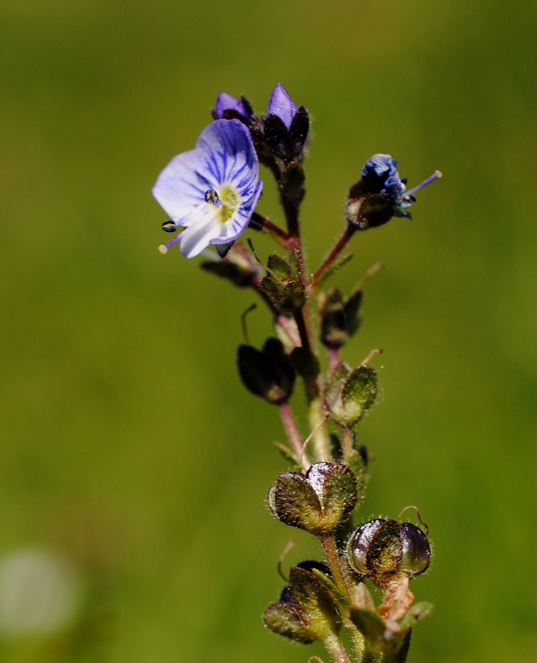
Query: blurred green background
(129, 448)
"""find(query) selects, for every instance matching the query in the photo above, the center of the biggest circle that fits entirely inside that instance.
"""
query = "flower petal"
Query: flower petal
(204, 228)
(226, 152)
(282, 105)
(226, 101)
(179, 187)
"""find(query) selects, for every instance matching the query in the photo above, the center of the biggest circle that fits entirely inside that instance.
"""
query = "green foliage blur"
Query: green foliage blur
(128, 446)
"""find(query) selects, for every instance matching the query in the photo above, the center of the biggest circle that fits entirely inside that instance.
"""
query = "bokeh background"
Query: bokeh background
(133, 466)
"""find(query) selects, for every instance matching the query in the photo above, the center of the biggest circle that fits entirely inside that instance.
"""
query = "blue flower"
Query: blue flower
(380, 176)
(212, 190)
(381, 194)
(282, 105)
(239, 108)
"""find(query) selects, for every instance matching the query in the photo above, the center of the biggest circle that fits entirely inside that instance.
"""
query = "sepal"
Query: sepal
(283, 285)
(307, 611)
(268, 373)
(339, 317)
(351, 393)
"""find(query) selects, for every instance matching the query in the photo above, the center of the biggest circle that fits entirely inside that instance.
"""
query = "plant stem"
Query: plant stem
(334, 253)
(336, 650)
(333, 359)
(294, 436)
(288, 328)
(263, 223)
(347, 442)
(328, 542)
(322, 449)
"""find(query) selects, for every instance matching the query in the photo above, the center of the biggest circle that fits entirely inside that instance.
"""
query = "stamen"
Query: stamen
(163, 248)
(169, 226)
(435, 176)
(211, 196)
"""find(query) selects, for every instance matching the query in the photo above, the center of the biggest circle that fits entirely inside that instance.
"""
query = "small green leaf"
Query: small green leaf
(337, 265)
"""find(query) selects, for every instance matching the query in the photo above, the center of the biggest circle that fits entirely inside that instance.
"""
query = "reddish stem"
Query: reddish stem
(334, 253)
(294, 436)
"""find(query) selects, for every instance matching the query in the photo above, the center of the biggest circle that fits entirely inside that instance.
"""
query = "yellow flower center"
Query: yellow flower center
(226, 201)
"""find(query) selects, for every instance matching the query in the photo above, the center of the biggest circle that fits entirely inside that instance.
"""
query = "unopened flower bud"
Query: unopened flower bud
(228, 107)
(285, 126)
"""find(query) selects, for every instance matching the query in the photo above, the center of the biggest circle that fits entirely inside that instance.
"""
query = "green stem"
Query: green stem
(341, 578)
(347, 442)
(322, 449)
(336, 650)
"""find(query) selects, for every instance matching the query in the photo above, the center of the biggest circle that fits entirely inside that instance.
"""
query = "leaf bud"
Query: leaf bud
(318, 501)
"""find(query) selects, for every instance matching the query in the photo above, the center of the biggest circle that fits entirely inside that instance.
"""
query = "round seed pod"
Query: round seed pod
(416, 550)
(386, 549)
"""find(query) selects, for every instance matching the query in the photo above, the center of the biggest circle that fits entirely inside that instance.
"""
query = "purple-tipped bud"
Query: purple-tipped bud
(227, 105)
(282, 105)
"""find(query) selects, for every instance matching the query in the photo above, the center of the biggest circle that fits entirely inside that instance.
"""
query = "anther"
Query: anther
(169, 226)
(163, 248)
(211, 196)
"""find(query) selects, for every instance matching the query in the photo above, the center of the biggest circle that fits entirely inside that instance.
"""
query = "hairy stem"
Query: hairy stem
(341, 579)
(336, 650)
(293, 435)
(334, 253)
(322, 449)
(262, 223)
